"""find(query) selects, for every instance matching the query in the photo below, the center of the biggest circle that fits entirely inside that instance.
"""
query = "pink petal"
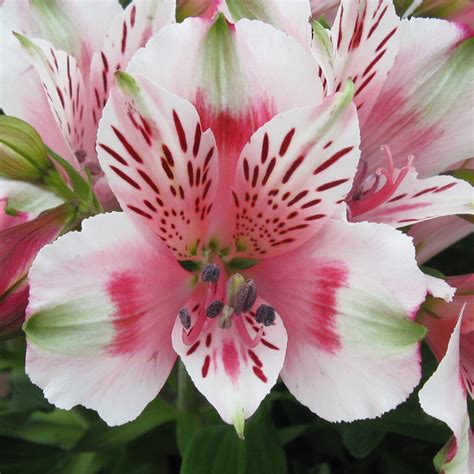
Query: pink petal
(425, 106)
(444, 397)
(232, 376)
(238, 77)
(127, 33)
(346, 299)
(365, 39)
(417, 200)
(432, 237)
(293, 173)
(64, 87)
(102, 306)
(19, 245)
(160, 163)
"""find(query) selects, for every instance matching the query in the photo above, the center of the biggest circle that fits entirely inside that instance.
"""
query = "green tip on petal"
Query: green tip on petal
(127, 83)
(239, 423)
(24, 41)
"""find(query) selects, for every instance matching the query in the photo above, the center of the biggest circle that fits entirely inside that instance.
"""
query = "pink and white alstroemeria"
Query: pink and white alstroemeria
(223, 158)
(60, 86)
(451, 338)
(414, 97)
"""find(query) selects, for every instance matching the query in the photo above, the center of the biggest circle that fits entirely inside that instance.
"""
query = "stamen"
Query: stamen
(265, 315)
(376, 196)
(185, 318)
(245, 297)
(214, 309)
(244, 335)
(210, 273)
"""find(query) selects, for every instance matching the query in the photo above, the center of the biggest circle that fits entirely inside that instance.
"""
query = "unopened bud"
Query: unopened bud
(23, 155)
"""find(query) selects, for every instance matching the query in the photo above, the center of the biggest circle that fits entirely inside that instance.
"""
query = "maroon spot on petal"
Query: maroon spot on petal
(139, 211)
(149, 181)
(334, 158)
(331, 184)
(193, 348)
(294, 166)
(298, 197)
(205, 366)
(190, 174)
(255, 176)
(397, 198)
(149, 205)
(208, 339)
(384, 41)
(445, 187)
(265, 146)
(104, 80)
(246, 169)
(197, 140)
(54, 59)
(310, 203)
(168, 155)
(180, 131)
(206, 189)
(133, 15)
(377, 23)
(269, 344)
(259, 373)
(425, 191)
(124, 37)
(166, 168)
(230, 359)
(113, 154)
(125, 177)
(373, 63)
(255, 358)
(365, 84)
(61, 97)
(236, 199)
(286, 142)
(132, 152)
(315, 217)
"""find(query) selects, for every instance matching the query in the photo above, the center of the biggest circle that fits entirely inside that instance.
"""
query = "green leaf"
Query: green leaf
(101, 436)
(217, 449)
(464, 174)
(242, 263)
(188, 424)
(360, 438)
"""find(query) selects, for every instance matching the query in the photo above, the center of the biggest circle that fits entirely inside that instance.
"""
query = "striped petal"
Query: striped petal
(292, 174)
(160, 163)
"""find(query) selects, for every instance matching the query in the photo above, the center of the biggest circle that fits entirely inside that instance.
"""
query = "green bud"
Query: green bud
(23, 155)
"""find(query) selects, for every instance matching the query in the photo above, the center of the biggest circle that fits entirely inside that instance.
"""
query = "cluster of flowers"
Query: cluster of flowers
(265, 177)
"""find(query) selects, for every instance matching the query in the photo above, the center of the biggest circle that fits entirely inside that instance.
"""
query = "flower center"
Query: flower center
(368, 192)
(227, 301)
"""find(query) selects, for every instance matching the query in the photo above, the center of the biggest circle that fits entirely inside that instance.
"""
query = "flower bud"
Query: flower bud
(23, 155)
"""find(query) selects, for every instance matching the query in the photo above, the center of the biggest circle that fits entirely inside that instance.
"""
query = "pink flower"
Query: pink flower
(222, 155)
(74, 57)
(451, 338)
(413, 93)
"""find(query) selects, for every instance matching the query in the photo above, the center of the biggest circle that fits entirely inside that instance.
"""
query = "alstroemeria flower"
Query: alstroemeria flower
(413, 92)
(74, 57)
(223, 158)
(451, 338)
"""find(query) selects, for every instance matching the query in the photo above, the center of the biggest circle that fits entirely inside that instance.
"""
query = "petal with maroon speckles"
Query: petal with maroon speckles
(127, 33)
(159, 162)
(292, 174)
(231, 375)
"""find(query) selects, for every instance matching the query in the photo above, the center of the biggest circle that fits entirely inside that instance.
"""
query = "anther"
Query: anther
(245, 297)
(185, 318)
(265, 315)
(214, 309)
(210, 273)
